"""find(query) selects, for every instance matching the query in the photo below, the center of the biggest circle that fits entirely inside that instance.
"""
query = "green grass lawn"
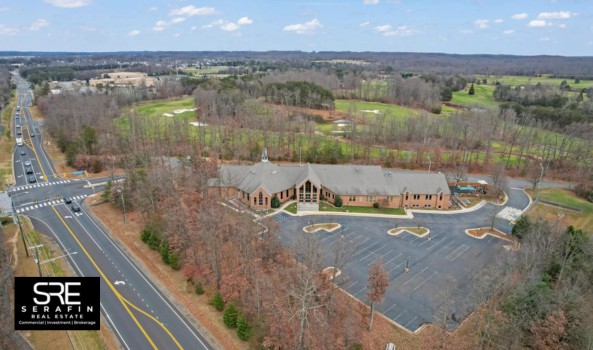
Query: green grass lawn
(161, 107)
(544, 79)
(482, 97)
(385, 109)
(582, 220)
(291, 208)
(324, 206)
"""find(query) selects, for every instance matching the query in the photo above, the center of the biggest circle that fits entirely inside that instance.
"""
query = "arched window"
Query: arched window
(261, 199)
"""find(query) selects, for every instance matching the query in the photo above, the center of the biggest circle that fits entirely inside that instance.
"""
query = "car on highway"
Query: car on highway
(23, 152)
(32, 179)
(75, 208)
(67, 200)
(18, 132)
(29, 170)
(27, 163)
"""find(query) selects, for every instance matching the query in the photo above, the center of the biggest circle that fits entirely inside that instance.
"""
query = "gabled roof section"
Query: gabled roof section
(308, 172)
(264, 175)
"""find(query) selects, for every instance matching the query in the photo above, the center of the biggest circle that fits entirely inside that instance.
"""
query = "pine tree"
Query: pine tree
(230, 315)
(217, 302)
(275, 202)
(243, 329)
(471, 90)
(165, 251)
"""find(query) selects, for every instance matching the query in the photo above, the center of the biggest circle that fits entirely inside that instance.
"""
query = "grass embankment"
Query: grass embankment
(165, 106)
(324, 206)
(582, 220)
(544, 79)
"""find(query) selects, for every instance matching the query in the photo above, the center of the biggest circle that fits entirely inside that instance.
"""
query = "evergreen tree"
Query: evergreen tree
(230, 315)
(217, 302)
(471, 90)
(165, 251)
(106, 195)
(243, 329)
(338, 201)
(521, 227)
(275, 202)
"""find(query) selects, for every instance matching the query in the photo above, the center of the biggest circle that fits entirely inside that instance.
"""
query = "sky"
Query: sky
(519, 27)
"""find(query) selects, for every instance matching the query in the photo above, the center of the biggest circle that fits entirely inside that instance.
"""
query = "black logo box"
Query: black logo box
(57, 303)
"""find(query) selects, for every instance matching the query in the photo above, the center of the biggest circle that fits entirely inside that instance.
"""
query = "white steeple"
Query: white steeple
(264, 155)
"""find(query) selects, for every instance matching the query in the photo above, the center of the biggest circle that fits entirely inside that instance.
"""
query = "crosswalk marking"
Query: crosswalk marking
(26, 187)
(49, 203)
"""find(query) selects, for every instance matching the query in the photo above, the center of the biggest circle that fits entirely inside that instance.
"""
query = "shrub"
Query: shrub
(164, 250)
(230, 315)
(217, 302)
(338, 201)
(275, 202)
(174, 261)
(198, 288)
(471, 90)
(376, 205)
(243, 329)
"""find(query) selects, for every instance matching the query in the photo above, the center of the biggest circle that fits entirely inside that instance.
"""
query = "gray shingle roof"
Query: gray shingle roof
(340, 179)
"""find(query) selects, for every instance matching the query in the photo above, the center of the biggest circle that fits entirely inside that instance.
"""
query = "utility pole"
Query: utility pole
(18, 220)
(429, 163)
(123, 203)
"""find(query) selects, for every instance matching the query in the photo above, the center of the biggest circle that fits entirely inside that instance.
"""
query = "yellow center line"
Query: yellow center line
(35, 152)
(119, 296)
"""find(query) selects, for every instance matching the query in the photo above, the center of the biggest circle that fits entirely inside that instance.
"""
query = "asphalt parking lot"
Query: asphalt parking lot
(437, 287)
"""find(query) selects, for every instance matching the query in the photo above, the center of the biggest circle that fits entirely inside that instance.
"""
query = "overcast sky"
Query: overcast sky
(523, 27)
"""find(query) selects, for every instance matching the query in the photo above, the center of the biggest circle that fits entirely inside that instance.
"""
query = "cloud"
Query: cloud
(193, 28)
(498, 21)
(466, 31)
(365, 24)
(177, 35)
(400, 31)
(153, 8)
(177, 20)
(191, 10)
(69, 3)
(508, 32)
(482, 23)
(134, 32)
(229, 27)
(304, 28)
(520, 16)
(370, 2)
(38, 24)
(555, 15)
(538, 23)
(6, 31)
(384, 28)
(545, 38)
(216, 23)
(244, 21)
(562, 26)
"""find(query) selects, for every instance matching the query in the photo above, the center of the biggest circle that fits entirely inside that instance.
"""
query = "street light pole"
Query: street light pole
(541, 176)
(37, 260)
(18, 220)
(429, 163)
(407, 268)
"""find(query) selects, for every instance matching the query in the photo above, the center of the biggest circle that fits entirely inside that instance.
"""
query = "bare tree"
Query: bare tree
(378, 283)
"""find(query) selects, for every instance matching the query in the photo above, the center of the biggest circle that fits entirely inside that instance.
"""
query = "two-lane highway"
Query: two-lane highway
(140, 314)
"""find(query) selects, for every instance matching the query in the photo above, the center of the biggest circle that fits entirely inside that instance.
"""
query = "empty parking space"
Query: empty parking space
(446, 260)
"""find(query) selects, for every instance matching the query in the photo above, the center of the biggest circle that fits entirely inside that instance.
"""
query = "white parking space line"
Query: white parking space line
(373, 252)
(395, 257)
(416, 275)
(381, 257)
(363, 250)
(460, 250)
(399, 315)
(432, 238)
(360, 291)
(391, 307)
(426, 280)
(350, 285)
(414, 319)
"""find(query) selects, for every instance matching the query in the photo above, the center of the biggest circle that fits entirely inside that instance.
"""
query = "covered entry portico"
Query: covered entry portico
(307, 195)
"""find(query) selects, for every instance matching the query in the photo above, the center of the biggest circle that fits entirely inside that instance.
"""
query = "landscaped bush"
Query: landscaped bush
(376, 205)
(338, 201)
(275, 202)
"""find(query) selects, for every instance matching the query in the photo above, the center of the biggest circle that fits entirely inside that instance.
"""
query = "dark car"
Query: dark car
(32, 179)
(67, 200)
(29, 170)
(23, 152)
(75, 207)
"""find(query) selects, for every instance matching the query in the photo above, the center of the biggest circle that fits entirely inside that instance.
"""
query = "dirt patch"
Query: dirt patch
(480, 233)
(326, 115)
(178, 289)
